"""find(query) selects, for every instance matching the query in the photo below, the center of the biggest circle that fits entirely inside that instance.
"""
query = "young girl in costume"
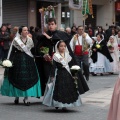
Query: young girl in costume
(101, 57)
(61, 90)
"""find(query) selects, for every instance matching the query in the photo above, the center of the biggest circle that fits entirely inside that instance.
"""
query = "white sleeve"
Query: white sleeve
(88, 39)
(71, 43)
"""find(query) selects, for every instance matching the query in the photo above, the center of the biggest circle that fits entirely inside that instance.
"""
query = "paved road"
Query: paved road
(95, 104)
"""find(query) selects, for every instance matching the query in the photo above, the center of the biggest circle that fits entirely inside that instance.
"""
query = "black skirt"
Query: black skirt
(23, 75)
(65, 90)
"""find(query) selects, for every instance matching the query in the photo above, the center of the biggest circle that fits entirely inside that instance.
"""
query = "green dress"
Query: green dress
(21, 80)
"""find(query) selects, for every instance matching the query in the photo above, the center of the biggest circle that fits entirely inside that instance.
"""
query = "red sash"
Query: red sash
(78, 50)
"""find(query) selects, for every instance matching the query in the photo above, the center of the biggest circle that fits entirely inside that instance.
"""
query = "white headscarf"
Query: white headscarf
(115, 45)
(67, 56)
(56, 49)
(58, 58)
(115, 42)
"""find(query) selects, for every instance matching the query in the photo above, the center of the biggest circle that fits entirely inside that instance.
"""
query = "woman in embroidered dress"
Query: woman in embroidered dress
(114, 110)
(22, 79)
(114, 51)
(101, 57)
(61, 90)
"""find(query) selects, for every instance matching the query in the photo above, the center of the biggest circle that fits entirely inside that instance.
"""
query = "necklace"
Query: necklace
(63, 55)
(24, 40)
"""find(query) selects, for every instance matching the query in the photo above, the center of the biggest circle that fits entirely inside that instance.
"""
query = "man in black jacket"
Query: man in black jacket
(4, 42)
(49, 40)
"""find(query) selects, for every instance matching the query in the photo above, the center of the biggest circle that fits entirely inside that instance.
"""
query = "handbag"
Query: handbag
(78, 49)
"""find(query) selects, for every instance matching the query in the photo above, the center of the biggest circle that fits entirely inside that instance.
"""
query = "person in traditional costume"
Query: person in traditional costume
(117, 38)
(22, 79)
(102, 32)
(114, 110)
(101, 57)
(47, 42)
(114, 51)
(80, 44)
(61, 90)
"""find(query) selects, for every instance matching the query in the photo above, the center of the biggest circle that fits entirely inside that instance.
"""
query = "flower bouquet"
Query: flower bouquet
(74, 71)
(5, 64)
(44, 50)
(110, 48)
(98, 46)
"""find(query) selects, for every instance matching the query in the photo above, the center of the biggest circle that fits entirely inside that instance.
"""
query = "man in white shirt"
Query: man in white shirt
(80, 44)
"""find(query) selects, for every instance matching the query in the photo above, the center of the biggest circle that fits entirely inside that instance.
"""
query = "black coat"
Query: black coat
(36, 36)
(103, 50)
(50, 43)
(5, 38)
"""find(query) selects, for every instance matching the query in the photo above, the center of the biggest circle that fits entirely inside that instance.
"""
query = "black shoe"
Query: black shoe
(64, 109)
(87, 78)
(101, 74)
(26, 102)
(93, 74)
(111, 73)
(56, 108)
(38, 97)
(16, 101)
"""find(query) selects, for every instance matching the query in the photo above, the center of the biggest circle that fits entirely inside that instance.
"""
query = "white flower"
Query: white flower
(7, 63)
(75, 67)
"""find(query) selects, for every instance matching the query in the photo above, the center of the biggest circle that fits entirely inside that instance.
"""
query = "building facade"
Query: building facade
(26, 12)
(103, 12)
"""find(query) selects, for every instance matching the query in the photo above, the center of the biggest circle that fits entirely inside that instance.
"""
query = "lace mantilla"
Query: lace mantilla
(29, 44)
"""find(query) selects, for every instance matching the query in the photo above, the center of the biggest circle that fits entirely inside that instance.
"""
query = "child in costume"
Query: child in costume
(61, 90)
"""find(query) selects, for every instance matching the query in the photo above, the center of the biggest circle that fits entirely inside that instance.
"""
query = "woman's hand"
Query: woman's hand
(94, 50)
(46, 35)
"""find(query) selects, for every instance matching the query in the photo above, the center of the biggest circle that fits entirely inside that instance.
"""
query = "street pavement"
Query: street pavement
(95, 104)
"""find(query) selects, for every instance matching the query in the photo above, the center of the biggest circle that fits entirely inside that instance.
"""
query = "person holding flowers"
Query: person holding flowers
(47, 43)
(114, 51)
(62, 89)
(101, 57)
(22, 79)
(80, 44)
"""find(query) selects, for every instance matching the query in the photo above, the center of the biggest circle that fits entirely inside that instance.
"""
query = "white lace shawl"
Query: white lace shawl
(29, 43)
(64, 61)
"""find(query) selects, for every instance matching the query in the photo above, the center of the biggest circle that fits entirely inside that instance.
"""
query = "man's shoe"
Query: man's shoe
(93, 74)
(87, 78)
(101, 74)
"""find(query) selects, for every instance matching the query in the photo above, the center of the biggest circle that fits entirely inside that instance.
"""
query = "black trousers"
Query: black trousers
(83, 62)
